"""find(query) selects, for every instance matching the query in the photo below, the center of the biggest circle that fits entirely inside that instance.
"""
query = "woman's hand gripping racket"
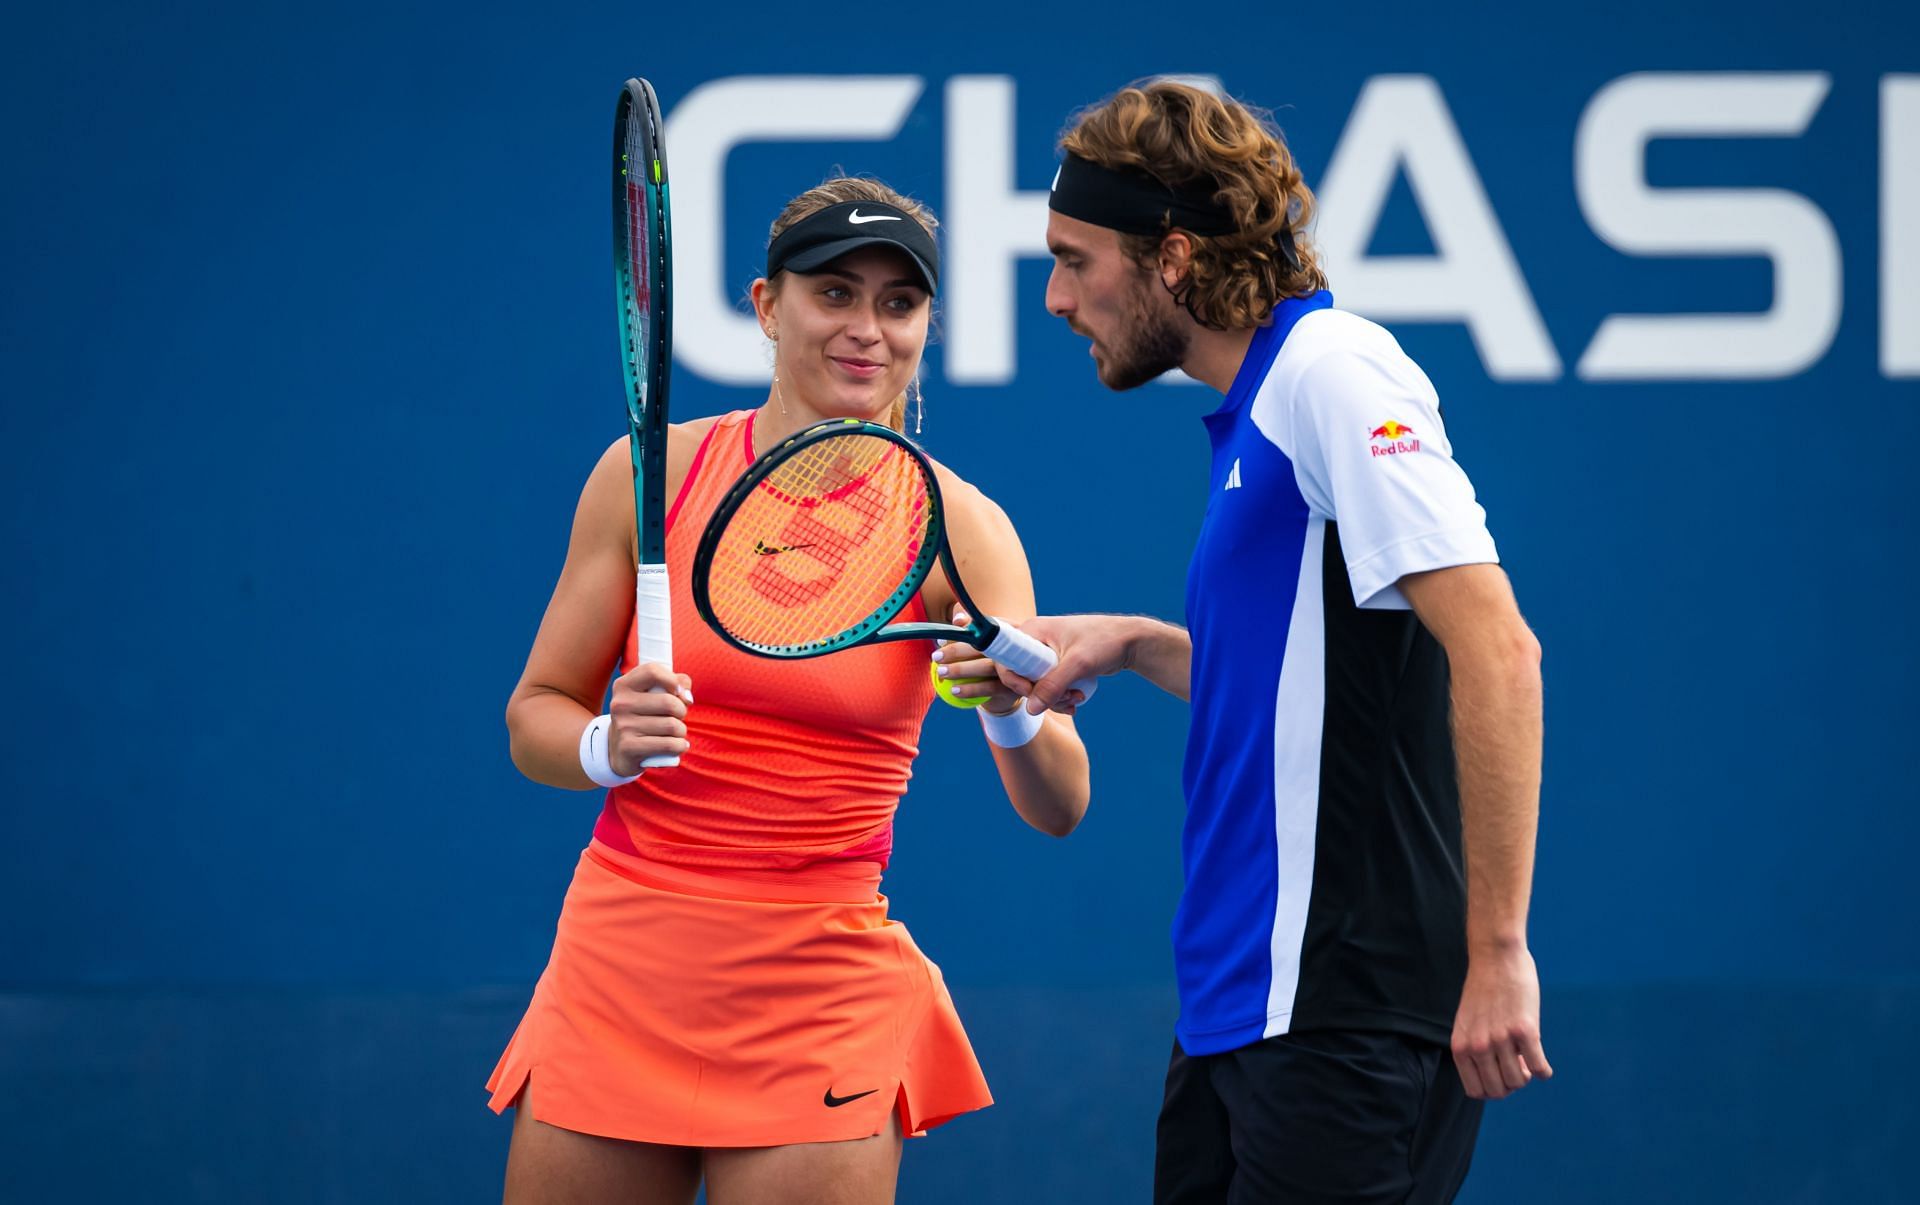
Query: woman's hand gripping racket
(642, 271)
(825, 539)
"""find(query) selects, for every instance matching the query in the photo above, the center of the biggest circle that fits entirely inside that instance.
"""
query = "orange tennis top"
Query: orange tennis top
(792, 763)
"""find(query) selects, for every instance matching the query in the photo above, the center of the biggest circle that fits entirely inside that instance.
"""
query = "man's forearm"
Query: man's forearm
(1497, 735)
(1162, 653)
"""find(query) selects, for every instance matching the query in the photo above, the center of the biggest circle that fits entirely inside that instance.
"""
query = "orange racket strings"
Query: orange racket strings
(821, 544)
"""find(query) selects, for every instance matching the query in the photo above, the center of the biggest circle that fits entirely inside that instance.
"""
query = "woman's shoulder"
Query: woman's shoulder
(683, 442)
(697, 428)
(986, 550)
(684, 439)
(968, 506)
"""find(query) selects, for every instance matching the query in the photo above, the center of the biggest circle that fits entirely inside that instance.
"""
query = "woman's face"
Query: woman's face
(849, 335)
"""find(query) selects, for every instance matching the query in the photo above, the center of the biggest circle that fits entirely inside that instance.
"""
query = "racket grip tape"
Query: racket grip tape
(1029, 658)
(653, 615)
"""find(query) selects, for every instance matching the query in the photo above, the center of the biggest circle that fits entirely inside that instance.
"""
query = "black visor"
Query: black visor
(818, 239)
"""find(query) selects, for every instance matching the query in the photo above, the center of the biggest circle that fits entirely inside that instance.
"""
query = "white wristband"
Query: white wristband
(593, 754)
(1014, 729)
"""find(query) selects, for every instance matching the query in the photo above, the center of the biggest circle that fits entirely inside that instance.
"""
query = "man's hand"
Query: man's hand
(1089, 646)
(1098, 646)
(1496, 1035)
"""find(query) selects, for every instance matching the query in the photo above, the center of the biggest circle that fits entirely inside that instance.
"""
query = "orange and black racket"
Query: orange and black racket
(823, 541)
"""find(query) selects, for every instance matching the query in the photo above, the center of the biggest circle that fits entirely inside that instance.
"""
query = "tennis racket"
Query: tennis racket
(642, 274)
(823, 541)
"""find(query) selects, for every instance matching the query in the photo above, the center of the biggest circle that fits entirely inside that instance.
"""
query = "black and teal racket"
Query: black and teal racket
(822, 542)
(642, 273)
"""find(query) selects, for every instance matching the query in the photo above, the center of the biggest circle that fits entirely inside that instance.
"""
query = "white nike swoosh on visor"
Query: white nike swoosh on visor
(856, 218)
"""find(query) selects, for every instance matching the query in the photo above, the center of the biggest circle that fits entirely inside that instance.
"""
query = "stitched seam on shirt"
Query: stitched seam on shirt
(1423, 537)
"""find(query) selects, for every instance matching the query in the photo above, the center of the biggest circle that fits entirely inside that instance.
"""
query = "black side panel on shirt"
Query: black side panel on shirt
(1385, 943)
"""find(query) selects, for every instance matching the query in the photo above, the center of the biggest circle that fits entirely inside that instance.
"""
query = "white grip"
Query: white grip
(1029, 658)
(653, 615)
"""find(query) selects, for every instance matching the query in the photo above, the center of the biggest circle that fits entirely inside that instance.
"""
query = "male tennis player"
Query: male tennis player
(1332, 942)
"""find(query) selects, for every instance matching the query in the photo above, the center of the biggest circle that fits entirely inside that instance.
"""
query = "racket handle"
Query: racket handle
(653, 615)
(1030, 658)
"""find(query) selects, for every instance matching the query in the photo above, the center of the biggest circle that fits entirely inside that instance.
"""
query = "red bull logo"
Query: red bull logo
(1399, 439)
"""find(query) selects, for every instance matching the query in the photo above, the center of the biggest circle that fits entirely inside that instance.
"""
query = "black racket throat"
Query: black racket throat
(978, 637)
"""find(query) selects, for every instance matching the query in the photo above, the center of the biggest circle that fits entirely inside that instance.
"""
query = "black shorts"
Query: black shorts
(1328, 1116)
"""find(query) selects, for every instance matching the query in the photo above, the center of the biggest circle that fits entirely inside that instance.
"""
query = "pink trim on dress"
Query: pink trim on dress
(693, 471)
(609, 832)
(877, 848)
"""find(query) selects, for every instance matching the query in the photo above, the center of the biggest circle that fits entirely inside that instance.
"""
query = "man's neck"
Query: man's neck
(1214, 357)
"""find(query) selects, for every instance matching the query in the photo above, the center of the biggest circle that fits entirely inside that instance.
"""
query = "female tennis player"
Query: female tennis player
(727, 998)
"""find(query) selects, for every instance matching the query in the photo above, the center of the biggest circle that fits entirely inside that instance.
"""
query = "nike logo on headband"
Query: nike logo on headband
(856, 218)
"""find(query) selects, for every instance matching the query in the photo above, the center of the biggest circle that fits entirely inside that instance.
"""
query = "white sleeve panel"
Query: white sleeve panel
(1361, 424)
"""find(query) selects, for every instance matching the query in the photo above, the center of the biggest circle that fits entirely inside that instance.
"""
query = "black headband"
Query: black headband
(1135, 202)
(825, 235)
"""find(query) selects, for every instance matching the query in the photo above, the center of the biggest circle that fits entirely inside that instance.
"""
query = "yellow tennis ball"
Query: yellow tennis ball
(944, 687)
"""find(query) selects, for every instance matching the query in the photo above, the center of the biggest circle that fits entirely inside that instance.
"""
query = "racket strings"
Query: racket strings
(637, 285)
(639, 289)
(830, 538)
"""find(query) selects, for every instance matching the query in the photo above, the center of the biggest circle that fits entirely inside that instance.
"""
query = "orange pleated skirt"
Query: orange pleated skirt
(690, 1010)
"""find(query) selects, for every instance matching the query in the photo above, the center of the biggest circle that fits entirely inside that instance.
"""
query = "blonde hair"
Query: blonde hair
(855, 188)
(1183, 135)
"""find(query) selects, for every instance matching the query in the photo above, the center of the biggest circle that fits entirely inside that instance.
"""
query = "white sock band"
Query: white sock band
(593, 754)
(1014, 729)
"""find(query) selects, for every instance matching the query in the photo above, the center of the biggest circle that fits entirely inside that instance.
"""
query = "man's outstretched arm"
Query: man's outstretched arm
(1091, 645)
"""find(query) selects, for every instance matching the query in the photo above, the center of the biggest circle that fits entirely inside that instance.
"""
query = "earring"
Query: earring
(777, 396)
(919, 405)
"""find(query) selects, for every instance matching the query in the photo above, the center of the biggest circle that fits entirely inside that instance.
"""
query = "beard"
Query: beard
(1149, 343)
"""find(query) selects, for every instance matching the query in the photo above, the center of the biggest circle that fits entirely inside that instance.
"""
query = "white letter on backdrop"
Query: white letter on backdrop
(1785, 227)
(990, 227)
(711, 336)
(1401, 123)
(1899, 234)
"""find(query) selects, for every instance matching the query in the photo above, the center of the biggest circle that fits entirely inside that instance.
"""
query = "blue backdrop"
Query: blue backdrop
(307, 349)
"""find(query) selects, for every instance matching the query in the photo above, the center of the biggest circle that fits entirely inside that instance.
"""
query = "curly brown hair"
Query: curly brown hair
(854, 188)
(1182, 136)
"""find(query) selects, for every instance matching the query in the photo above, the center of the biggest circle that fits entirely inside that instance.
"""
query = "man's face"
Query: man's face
(1103, 293)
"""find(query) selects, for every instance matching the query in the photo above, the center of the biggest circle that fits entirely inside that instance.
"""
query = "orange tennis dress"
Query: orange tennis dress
(725, 973)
